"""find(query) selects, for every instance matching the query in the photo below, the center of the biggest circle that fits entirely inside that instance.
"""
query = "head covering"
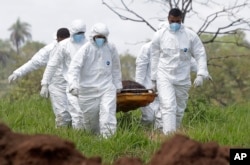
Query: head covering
(99, 29)
(77, 26)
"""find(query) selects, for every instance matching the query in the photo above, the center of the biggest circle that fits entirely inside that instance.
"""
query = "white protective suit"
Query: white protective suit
(96, 73)
(142, 76)
(171, 66)
(40, 59)
(151, 112)
(65, 52)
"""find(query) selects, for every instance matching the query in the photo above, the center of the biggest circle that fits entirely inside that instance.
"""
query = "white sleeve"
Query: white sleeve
(75, 66)
(155, 54)
(193, 65)
(199, 53)
(142, 64)
(38, 60)
(116, 68)
(52, 66)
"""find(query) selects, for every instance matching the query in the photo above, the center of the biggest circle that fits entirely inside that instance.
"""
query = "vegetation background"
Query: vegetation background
(227, 126)
(218, 111)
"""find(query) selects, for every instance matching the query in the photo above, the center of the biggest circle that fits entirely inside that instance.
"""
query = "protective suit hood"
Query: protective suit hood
(77, 26)
(99, 29)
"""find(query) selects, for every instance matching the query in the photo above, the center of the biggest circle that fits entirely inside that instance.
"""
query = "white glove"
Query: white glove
(198, 81)
(13, 77)
(209, 78)
(44, 91)
(74, 92)
(154, 85)
(118, 90)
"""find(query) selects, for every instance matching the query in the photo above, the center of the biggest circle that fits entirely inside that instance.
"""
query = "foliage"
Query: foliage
(127, 67)
(217, 18)
(6, 56)
(228, 66)
(19, 33)
(227, 126)
(29, 49)
(219, 123)
(30, 83)
(27, 86)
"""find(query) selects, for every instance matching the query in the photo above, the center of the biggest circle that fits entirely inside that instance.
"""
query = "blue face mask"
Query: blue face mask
(78, 38)
(99, 41)
(175, 26)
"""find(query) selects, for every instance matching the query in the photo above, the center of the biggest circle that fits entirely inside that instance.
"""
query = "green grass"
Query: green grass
(227, 126)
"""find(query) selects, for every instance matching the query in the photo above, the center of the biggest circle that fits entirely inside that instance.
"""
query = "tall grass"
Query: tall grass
(227, 126)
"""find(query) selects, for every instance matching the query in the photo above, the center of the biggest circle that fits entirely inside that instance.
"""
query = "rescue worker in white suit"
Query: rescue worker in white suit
(142, 76)
(172, 49)
(151, 113)
(65, 52)
(95, 77)
(40, 59)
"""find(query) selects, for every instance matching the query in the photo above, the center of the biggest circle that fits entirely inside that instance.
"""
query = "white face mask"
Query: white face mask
(99, 41)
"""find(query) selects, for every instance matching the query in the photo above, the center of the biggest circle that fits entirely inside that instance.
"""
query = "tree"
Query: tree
(229, 65)
(232, 12)
(5, 52)
(222, 28)
(19, 33)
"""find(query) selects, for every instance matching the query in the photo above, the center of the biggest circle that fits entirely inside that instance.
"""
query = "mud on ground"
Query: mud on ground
(21, 149)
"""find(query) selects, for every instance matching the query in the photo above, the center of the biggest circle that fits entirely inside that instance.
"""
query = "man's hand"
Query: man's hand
(209, 78)
(13, 77)
(44, 91)
(198, 81)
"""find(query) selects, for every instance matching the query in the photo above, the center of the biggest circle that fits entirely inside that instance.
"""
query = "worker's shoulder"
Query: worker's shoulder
(65, 41)
(147, 45)
(190, 31)
(111, 45)
(49, 46)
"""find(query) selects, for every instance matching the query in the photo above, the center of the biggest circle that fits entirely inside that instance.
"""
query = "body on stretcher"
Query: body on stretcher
(132, 99)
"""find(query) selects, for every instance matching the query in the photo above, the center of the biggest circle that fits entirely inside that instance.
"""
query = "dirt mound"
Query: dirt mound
(20, 149)
(181, 150)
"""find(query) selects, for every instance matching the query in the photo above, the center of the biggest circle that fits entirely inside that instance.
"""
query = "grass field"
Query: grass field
(227, 126)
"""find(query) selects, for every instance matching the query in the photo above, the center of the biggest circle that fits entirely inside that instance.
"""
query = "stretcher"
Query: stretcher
(132, 99)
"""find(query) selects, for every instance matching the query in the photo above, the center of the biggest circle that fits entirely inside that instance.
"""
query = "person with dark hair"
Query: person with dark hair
(172, 50)
(61, 34)
(40, 59)
(62, 58)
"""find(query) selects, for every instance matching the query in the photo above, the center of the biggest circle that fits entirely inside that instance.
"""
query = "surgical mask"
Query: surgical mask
(175, 26)
(78, 38)
(99, 41)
